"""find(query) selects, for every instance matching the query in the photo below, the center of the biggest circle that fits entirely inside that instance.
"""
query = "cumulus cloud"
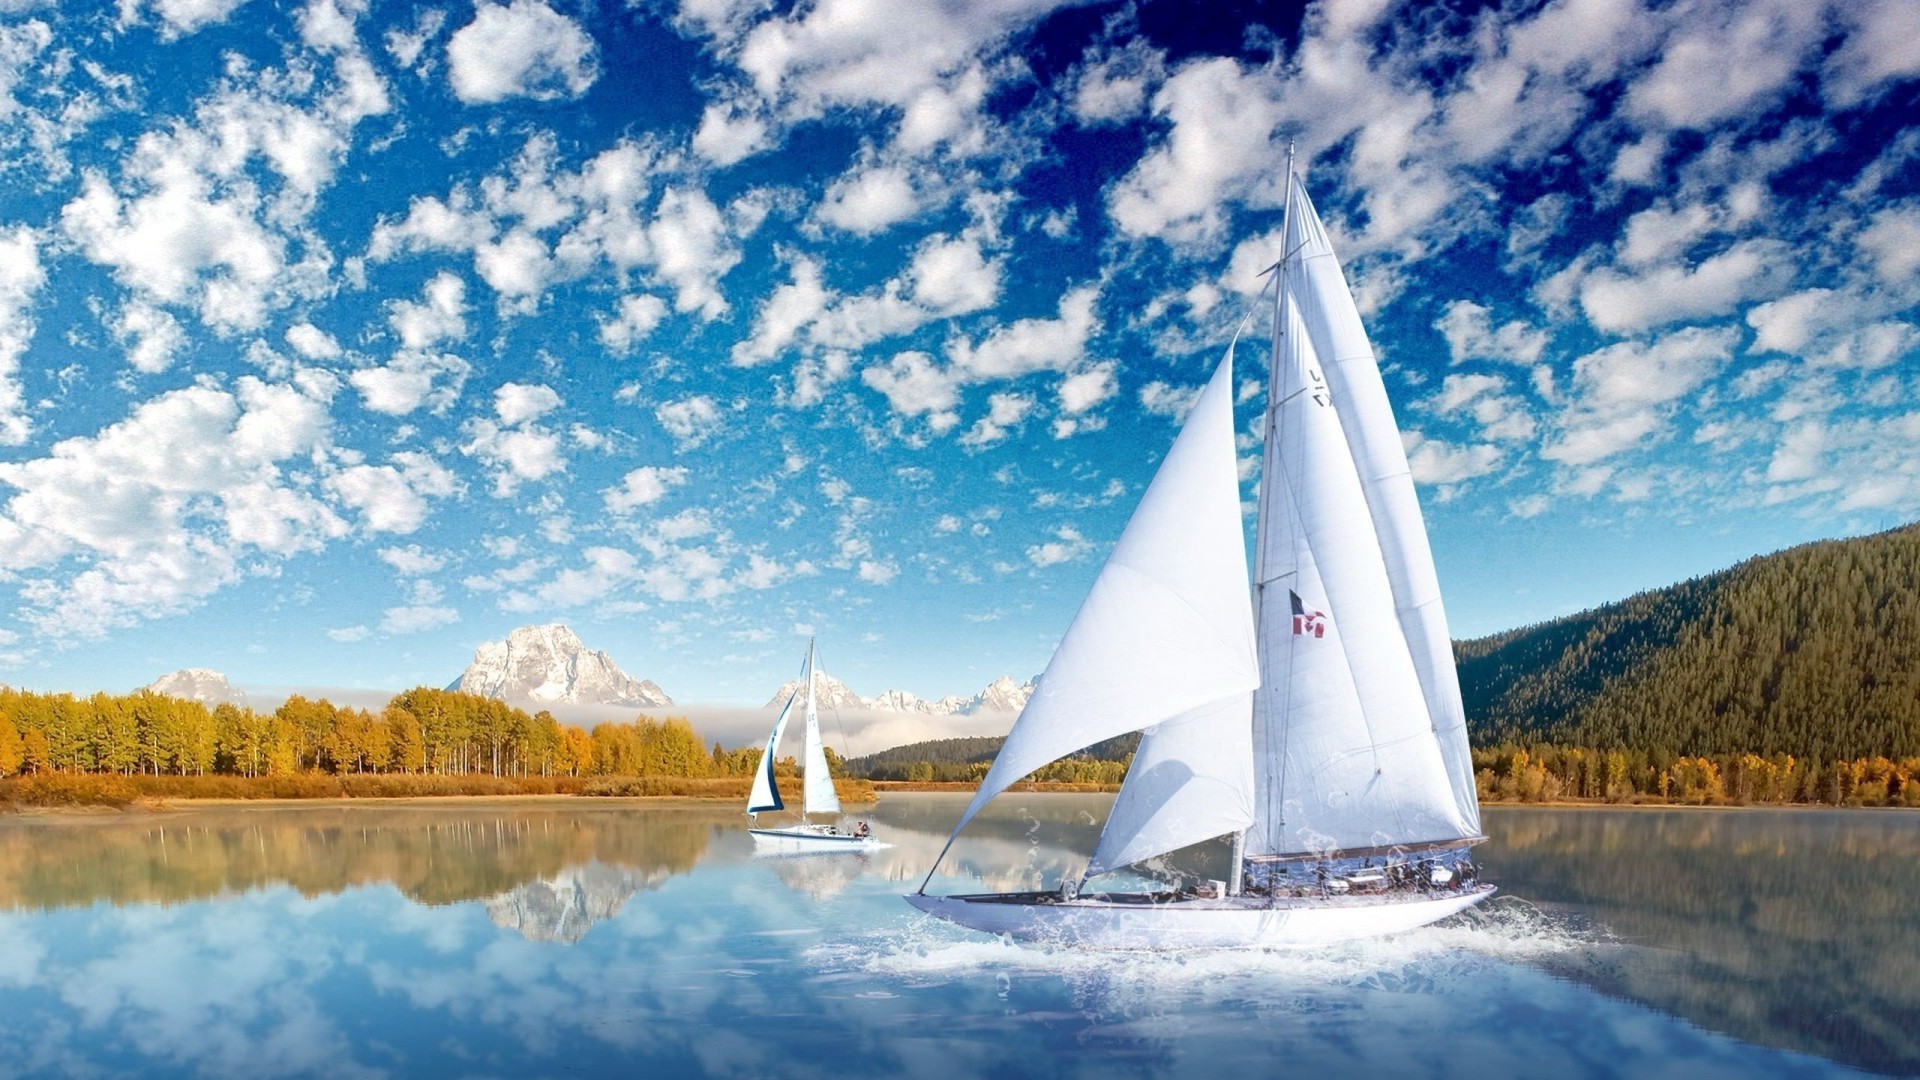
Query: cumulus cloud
(1625, 394)
(412, 380)
(157, 511)
(1066, 546)
(1004, 412)
(634, 319)
(643, 487)
(1622, 302)
(524, 49)
(439, 316)
(691, 421)
(520, 403)
(21, 278)
(1470, 333)
(394, 497)
(870, 200)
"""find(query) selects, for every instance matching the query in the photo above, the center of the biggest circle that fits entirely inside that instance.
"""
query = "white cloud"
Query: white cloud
(692, 250)
(179, 18)
(311, 342)
(691, 421)
(439, 317)
(1627, 303)
(1439, 463)
(1878, 50)
(1113, 88)
(525, 49)
(1501, 416)
(157, 511)
(727, 135)
(416, 619)
(1725, 61)
(1087, 388)
(635, 318)
(1066, 546)
(643, 487)
(1891, 242)
(1626, 393)
(952, 276)
(153, 337)
(1468, 328)
(878, 573)
(393, 498)
(411, 380)
(870, 200)
(790, 308)
(516, 454)
(915, 386)
(1220, 144)
(518, 403)
(21, 278)
(920, 58)
(1030, 345)
(348, 634)
(413, 560)
(1004, 411)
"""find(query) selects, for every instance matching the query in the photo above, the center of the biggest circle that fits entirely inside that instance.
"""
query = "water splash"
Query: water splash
(919, 951)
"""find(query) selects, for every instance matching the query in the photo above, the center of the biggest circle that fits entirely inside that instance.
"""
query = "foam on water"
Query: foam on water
(922, 951)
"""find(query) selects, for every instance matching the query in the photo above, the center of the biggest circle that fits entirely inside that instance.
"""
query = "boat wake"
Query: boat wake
(1506, 931)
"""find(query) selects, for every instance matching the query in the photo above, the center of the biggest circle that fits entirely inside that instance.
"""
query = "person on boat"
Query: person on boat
(862, 831)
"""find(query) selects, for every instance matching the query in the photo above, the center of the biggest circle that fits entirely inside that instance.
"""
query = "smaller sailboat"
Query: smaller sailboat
(818, 796)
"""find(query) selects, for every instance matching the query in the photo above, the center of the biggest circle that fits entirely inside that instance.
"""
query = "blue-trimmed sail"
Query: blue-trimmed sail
(766, 794)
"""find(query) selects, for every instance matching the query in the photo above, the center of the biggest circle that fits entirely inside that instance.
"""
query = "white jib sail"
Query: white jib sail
(766, 794)
(1191, 780)
(1167, 626)
(1344, 751)
(1332, 323)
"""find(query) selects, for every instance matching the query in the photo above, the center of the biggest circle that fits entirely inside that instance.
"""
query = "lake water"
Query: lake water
(583, 939)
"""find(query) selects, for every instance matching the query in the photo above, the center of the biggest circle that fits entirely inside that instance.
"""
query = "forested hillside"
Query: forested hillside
(969, 758)
(1813, 651)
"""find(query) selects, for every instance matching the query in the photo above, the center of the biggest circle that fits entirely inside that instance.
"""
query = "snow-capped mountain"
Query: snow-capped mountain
(198, 684)
(1001, 695)
(550, 665)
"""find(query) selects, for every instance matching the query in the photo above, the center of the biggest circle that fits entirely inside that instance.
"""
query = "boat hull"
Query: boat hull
(1199, 922)
(812, 839)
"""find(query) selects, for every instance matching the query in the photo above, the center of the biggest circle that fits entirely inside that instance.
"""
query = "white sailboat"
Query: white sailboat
(818, 796)
(1320, 727)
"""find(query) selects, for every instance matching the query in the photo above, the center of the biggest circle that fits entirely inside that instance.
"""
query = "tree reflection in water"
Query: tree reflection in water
(1794, 928)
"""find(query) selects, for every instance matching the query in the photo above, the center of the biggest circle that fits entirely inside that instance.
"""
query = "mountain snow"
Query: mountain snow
(548, 665)
(198, 684)
(1001, 695)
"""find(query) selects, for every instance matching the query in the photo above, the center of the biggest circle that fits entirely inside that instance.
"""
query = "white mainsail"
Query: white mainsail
(817, 781)
(1169, 610)
(1332, 323)
(1344, 753)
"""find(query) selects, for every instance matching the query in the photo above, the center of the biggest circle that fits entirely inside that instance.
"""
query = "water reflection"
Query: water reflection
(602, 939)
(434, 855)
(1793, 928)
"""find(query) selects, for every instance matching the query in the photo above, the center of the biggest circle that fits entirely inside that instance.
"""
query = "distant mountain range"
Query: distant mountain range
(1813, 651)
(1001, 695)
(548, 665)
(198, 684)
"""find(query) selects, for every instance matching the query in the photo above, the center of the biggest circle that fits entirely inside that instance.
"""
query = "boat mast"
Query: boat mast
(1265, 504)
(811, 723)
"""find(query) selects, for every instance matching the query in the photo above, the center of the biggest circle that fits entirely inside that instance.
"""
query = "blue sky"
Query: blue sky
(339, 337)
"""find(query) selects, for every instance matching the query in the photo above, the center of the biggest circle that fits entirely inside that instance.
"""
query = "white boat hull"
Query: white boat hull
(1198, 923)
(812, 839)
